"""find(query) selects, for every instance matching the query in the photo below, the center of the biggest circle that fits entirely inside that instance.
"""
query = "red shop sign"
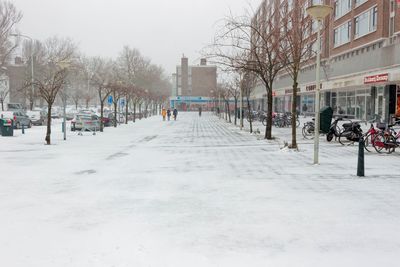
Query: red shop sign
(376, 78)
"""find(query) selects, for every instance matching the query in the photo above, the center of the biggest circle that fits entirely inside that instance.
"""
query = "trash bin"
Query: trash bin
(325, 119)
(6, 127)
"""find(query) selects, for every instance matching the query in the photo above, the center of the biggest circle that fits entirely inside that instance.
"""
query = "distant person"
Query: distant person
(304, 109)
(199, 111)
(168, 114)
(175, 112)
(163, 113)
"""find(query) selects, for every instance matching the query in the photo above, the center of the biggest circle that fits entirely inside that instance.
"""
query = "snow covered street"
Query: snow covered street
(193, 192)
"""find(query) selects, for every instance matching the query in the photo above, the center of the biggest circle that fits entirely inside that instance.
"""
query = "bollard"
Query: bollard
(23, 129)
(360, 163)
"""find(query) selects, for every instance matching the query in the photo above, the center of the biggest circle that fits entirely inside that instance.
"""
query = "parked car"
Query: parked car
(90, 122)
(106, 120)
(37, 117)
(19, 117)
(120, 118)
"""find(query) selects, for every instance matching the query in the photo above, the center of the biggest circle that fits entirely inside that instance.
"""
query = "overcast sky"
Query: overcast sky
(161, 29)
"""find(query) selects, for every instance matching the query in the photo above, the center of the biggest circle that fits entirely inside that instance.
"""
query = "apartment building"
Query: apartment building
(193, 85)
(360, 62)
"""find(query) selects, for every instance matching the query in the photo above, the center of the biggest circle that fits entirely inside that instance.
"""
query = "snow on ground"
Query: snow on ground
(193, 192)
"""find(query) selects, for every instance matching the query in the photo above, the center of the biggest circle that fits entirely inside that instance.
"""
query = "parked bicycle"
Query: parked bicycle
(386, 141)
(308, 129)
(285, 120)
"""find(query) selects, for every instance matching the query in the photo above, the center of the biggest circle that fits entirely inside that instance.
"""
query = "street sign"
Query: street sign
(110, 99)
(122, 102)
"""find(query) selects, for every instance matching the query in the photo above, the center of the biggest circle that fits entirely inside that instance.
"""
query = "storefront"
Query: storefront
(359, 97)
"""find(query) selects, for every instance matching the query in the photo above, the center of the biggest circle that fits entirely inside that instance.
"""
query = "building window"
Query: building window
(359, 2)
(342, 7)
(341, 34)
(366, 22)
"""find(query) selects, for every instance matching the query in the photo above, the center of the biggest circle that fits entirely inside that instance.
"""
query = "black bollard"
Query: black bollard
(360, 164)
(23, 129)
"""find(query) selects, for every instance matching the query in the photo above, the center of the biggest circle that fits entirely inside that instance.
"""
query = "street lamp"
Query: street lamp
(318, 12)
(32, 79)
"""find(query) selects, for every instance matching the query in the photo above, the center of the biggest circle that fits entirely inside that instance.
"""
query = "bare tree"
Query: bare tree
(9, 17)
(252, 43)
(52, 75)
(4, 90)
(102, 79)
(296, 45)
(248, 83)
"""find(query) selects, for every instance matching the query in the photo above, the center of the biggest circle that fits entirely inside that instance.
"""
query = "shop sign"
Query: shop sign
(290, 91)
(310, 88)
(376, 78)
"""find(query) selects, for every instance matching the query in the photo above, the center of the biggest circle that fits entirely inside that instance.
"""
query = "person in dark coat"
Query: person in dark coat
(169, 114)
(175, 112)
(199, 111)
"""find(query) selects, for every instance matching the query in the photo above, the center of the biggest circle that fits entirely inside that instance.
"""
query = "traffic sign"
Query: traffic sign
(122, 102)
(110, 99)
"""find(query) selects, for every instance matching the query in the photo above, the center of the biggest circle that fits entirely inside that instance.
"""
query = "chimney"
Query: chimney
(203, 62)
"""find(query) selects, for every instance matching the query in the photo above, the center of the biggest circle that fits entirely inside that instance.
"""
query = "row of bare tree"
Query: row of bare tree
(62, 72)
(265, 44)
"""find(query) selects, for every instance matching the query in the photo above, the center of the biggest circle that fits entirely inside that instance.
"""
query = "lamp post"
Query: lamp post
(318, 12)
(32, 79)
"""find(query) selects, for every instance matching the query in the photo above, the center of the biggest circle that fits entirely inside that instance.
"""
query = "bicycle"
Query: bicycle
(387, 140)
(308, 130)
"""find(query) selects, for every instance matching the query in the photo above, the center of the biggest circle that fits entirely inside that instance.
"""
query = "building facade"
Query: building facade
(193, 85)
(360, 62)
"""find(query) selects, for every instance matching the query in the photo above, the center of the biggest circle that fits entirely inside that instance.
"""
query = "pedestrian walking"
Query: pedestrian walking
(163, 113)
(168, 114)
(175, 112)
(304, 109)
(199, 111)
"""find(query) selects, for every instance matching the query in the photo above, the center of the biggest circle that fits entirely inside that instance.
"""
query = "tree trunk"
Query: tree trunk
(101, 115)
(140, 111)
(134, 111)
(250, 115)
(2, 105)
(48, 131)
(115, 113)
(31, 104)
(236, 107)
(268, 127)
(126, 111)
(294, 113)
(228, 111)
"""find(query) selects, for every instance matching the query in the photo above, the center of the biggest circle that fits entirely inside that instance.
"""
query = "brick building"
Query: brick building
(193, 85)
(360, 57)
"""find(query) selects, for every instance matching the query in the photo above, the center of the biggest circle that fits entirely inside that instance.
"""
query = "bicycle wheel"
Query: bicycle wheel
(308, 131)
(384, 143)
(368, 142)
(345, 137)
(297, 123)
(264, 121)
